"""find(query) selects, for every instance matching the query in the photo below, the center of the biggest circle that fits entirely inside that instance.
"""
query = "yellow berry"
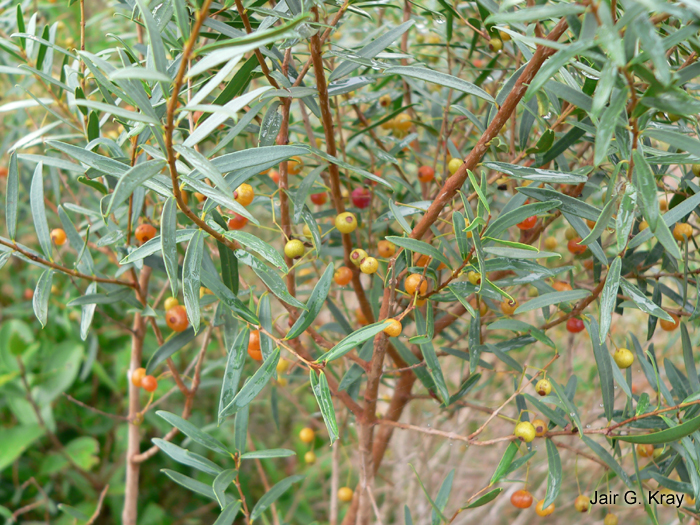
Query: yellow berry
(454, 165)
(346, 222)
(525, 431)
(307, 435)
(623, 357)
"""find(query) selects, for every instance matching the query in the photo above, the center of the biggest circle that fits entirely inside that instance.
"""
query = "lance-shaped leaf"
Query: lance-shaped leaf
(230, 511)
(269, 453)
(131, 180)
(85, 263)
(436, 509)
(354, 339)
(227, 297)
(513, 217)
(186, 457)
(273, 281)
(206, 168)
(606, 126)
(195, 434)
(255, 384)
(223, 481)
(554, 473)
(169, 348)
(191, 277)
(36, 199)
(419, 247)
(272, 495)
(549, 299)
(605, 368)
(168, 242)
(536, 174)
(252, 242)
(87, 312)
(157, 49)
(313, 305)
(486, 498)
(234, 367)
(646, 186)
(12, 196)
(322, 393)
(664, 436)
(608, 459)
(504, 465)
(608, 297)
(190, 484)
(40, 300)
(643, 302)
(443, 79)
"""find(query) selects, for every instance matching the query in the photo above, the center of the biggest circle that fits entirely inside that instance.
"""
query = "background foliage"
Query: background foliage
(581, 116)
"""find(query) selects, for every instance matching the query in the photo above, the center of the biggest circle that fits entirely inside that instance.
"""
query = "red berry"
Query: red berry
(426, 174)
(575, 325)
(319, 198)
(236, 222)
(145, 232)
(149, 383)
(528, 223)
(361, 197)
(576, 248)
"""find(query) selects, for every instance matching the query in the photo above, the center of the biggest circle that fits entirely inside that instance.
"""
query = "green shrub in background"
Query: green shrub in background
(235, 234)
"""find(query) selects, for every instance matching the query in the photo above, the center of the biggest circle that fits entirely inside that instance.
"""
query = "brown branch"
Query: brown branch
(248, 29)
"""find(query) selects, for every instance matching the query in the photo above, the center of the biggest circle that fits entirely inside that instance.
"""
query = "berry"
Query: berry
(170, 302)
(149, 383)
(176, 318)
(540, 427)
(509, 307)
(543, 387)
(524, 431)
(236, 222)
(346, 222)
(4, 172)
(581, 503)
(495, 44)
(394, 329)
(505, 37)
(474, 277)
(670, 326)
(58, 236)
(254, 345)
(294, 249)
(361, 197)
(623, 357)
(521, 499)
(275, 176)
(319, 199)
(663, 205)
(369, 265)
(310, 458)
(402, 122)
(682, 229)
(590, 223)
(575, 325)
(282, 381)
(411, 284)
(345, 494)
(342, 276)
(244, 194)
(543, 512)
(695, 168)
(137, 377)
(570, 233)
(145, 232)
(610, 519)
(454, 165)
(282, 366)
(386, 249)
(307, 435)
(295, 165)
(426, 174)
(561, 286)
(642, 226)
(306, 231)
(550, 243)
(482, 307)
(528, 223)
(645, 451)
(385, 100)
(357, 256)
(574, 247)
(200, 197)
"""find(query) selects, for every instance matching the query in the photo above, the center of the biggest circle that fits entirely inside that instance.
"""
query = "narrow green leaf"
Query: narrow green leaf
(272, 495)
(322, 393)
(191, 278)
(40, 300)
(436, 509)
(227, 297)
(255, 385)
(605, 368)
(608, 297)
(664, 436)
(554, 473)
(646, 186)
(187, 457)
(36, 198)
(12, 195)
(156, 43)
(486, 498)
(313, 305)
(194, 433)
(443, 79)
(552, 298)
(504, 465)
(169, 348)
(232, 509)
(513, 217)
(234, 368)
(645, 304)
(168, 242)
(190, 484)
(354, 339)
(223, 481)
(688, 359)
(606, 126)
(536, 174)
(608, 459)
(269, 453)
(252, 242)
(419, 247)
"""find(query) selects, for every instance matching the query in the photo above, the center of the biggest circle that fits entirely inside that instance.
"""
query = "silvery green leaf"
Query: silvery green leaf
(11, 197)
(168, 242)
(131, 180)
(191, 277)
(87, 312)
(42, 293)
(608, 297)
(443, 79)
(36, 198)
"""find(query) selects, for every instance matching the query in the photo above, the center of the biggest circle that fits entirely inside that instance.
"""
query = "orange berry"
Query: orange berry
(528, 223)
(426, 174)
(574, 247)
(360, 316)
(58, 236)
(244, 194)
(561, 286)
(295, 165)
(509, 307)
(275, 176)
(236, 222)
(145, 232)
(342, 276)
(682, 229)
(254, 345)
(411, 284)
(521, 499)
(540, 427)
(645, 451)
(544, 512)
(386, 249)
(581, 503)
(307, 435)
(670, 326)
(137, 377)
(176, 318)
(149, 383)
